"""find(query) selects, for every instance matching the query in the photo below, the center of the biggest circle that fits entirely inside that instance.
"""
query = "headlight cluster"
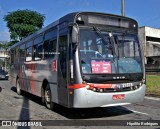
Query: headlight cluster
(112, 89)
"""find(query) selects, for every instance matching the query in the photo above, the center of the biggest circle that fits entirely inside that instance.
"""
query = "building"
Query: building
(150, 38)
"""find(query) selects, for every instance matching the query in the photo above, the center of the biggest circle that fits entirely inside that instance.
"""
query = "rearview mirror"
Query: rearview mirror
(75, 34)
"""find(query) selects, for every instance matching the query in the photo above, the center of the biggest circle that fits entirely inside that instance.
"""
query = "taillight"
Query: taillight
(54, 66)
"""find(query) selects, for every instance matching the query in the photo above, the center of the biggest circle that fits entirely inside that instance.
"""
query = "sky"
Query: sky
(146, 12)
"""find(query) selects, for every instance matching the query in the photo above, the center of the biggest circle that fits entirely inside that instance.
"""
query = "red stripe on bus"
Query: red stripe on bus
(76, 86)
(33, 77)
(32, 67)
(21, 78)
(100, 85)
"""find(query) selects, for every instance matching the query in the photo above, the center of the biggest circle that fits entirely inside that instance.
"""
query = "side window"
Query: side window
(22, 53)
(63, 54)
(50, 48)
(38, 48)
(12, 56)
(53, 45)
(46, 49)
(29, 54)
(16, 54)
(50, 44)
(29, 51)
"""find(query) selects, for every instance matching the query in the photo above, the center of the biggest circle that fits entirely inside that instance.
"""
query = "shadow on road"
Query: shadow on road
(87, 113)
(24, 113)
(29, 96)
(78, 113)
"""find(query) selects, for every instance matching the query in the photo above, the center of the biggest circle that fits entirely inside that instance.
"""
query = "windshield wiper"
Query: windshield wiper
(102, 37)
(117, 46)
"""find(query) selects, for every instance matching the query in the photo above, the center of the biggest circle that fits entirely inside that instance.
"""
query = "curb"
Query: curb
(152, 98)
(153, 95)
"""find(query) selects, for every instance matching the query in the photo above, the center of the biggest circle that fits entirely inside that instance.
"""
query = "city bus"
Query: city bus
(82, 60)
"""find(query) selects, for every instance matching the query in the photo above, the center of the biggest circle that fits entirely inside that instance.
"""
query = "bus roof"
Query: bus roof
(70, 18)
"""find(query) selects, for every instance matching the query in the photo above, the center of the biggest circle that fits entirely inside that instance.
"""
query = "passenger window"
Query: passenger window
(12, 55)
(16, 54)
(29, 54)
(50, 48)
(22, 53)
(46, 49)
(50, 44)
(38, 51)
(29, 50)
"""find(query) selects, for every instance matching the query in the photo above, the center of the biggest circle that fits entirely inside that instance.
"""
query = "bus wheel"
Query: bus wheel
(19, 92)
(48, 98)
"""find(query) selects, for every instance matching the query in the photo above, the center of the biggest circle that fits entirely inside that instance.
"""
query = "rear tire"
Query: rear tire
(18, 87)
(48, 98)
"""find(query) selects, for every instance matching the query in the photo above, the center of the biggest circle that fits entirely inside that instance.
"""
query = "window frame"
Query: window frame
(29, 44)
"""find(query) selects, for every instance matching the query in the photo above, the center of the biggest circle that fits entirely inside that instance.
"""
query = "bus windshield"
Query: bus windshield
(118, 53)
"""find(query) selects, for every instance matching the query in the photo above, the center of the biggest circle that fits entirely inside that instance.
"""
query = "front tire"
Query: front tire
(18, 87)
(48, 98)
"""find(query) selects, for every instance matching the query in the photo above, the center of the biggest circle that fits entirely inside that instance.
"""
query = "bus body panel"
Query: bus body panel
(14, 73)
(54, 89)
(12, 79)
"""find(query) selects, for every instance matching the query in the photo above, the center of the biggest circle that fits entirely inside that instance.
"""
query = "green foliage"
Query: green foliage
(153, 84)
(7, 44)
(1, 63)
(22, 23)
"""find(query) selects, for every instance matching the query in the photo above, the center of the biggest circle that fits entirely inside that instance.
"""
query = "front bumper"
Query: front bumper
(84, 98)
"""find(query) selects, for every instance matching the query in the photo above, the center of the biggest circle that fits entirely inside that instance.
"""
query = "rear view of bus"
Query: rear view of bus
(106, 61)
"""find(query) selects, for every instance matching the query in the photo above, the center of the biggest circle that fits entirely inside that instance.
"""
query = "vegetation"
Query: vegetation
(1, 63)
(6, 44)
(22, 23)
(153, 84)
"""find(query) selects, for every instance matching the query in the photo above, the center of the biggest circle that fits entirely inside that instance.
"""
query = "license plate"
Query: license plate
(118, 97)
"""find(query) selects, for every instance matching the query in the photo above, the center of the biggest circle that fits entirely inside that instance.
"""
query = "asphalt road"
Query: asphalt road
(29, 107)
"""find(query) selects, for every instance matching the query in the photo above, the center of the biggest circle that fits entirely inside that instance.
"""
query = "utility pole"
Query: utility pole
(123, 6)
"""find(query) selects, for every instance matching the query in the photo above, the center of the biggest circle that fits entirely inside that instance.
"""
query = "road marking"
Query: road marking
(139, 112)
(152, 98)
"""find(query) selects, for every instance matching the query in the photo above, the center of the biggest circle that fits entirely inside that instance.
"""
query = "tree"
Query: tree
(4, 45)
(22, 23)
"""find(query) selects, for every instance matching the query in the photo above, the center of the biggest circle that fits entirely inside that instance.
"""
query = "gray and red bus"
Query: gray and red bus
(82, 60)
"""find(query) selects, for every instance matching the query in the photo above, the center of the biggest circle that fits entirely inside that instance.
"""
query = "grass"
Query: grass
(153, 84)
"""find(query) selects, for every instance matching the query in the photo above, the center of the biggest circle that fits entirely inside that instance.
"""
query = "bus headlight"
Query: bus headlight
(100, 90)
(94, 89)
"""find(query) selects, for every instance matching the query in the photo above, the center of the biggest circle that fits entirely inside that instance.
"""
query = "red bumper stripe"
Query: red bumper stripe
(77, 86)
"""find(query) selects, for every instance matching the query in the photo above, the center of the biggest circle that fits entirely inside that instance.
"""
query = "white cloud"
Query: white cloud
(4, 35)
